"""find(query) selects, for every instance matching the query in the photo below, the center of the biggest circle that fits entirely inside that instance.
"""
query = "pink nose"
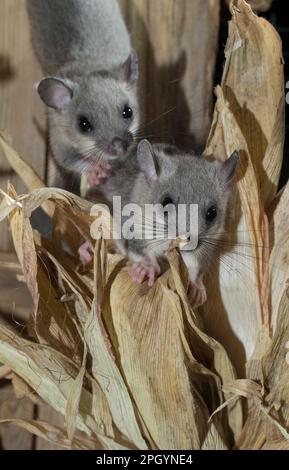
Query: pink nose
(119, 145)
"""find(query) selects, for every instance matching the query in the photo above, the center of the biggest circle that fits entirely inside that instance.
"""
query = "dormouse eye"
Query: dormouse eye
(166, 201)
(211, 214)
(127, 112)
(84, 125)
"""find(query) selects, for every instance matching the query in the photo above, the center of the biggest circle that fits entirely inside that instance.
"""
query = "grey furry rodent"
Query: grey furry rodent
(91, 86)
(163, 175)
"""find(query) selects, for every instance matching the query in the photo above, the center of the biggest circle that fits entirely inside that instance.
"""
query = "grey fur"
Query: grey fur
(187, 179)
(84, 48)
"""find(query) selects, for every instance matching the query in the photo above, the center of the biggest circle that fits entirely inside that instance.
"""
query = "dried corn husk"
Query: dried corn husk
(98, 318)
(249, 116)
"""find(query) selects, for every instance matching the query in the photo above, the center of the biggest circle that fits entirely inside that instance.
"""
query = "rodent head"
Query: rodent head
(172, 178)
(92, 115)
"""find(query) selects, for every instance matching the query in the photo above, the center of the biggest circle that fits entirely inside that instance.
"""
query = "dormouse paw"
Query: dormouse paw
(197, 293)
(146, 268)
(95, 175)
(85, 253)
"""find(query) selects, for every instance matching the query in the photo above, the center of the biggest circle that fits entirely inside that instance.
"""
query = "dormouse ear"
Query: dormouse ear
(227, 169)
(128, 72)
(55, 93)
(147, 161)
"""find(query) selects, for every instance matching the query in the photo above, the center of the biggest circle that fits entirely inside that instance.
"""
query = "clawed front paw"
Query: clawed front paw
(146, 268)
(197, 293)
(95, 175)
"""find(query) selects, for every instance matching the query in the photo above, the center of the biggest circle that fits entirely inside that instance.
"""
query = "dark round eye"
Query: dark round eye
(211, 214)
(167, 200)
(84, 124)
(127, 112)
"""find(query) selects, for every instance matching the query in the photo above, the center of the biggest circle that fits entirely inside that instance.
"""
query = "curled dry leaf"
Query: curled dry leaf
(101, 397)
(132, 367)
(249, 116)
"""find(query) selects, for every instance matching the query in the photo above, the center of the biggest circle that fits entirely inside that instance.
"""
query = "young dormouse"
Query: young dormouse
(91, 85)
(166, 178)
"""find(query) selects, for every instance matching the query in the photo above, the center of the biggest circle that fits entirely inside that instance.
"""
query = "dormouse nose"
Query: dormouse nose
(119, 145)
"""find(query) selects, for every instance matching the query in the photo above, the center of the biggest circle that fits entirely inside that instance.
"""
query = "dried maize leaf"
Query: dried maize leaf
(8, 204)
(72, 405)
(42, 373)
(277, 215)
(51, 376)
(274, 439)
(270, 418)
(253, 435)
(52, 324)
(24, 245)
(276, 365)
(50, 306)
(279, 274)
(21, 389)
(149, 327)
(108, 376)
(119, 403)
(212, 353)
(279, 261)
(252, 84)
(24, 170)
(254, 369)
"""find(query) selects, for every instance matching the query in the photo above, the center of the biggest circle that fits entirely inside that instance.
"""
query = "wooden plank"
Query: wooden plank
(15, 306)
(11, 436)
(176, 41)
(21, 112)
(48, 414)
